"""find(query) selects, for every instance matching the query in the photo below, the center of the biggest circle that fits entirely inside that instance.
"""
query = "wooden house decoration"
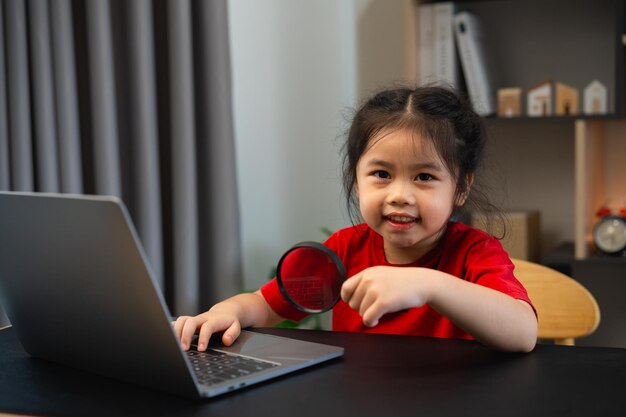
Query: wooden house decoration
(595, 98)
(539, 101)
(510, 102)
(566, 101)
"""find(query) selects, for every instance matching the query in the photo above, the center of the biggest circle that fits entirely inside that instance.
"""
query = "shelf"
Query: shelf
(560, 258)
(604, 260)
(569, 41)
(531, 41)
(554, 118)
(600, 172)
(564, 255)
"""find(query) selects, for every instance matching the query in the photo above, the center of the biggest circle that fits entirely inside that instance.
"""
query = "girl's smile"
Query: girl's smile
(405, 193)
(401, 221)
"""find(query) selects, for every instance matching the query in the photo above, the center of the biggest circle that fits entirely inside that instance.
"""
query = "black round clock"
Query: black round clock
(609, 235)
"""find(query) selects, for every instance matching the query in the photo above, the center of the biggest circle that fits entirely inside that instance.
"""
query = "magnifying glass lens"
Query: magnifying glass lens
(310, 278)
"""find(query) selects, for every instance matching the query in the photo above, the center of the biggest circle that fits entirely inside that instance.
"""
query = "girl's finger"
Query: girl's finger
(179, 324)
(348, 287)
(206, 331)
(189, 329)
(356, 298)
(215, 325)
(372, 315)
(232, 333)
(368, 300)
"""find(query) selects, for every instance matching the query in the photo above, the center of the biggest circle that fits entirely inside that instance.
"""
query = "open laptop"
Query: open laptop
(78, 290)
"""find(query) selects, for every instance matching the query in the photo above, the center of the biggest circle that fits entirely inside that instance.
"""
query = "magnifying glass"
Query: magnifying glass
(310, 276)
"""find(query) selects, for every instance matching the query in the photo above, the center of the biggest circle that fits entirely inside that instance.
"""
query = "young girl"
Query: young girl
(410, 161)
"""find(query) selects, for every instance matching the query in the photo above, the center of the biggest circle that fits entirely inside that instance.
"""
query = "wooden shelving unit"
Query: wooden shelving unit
(568, 41)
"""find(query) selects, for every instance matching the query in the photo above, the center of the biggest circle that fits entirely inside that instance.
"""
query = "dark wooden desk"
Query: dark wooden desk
(379, 376)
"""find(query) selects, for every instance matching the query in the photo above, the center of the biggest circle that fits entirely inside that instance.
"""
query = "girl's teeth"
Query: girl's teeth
(401, 219)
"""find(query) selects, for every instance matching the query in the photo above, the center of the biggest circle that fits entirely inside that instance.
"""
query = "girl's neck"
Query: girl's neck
(409, 255)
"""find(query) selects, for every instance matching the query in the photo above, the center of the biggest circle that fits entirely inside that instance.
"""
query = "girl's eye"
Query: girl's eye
(424, 177)
(381, 174)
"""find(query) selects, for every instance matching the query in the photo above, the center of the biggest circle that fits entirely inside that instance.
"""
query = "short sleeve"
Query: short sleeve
(489, 265)
(278, 303)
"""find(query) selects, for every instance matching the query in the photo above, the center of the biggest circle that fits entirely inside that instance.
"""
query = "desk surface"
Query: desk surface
(379, 375)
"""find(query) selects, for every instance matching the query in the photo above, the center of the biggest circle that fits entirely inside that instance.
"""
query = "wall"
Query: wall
(293, 74)
(615, 163)
(299, 67)
(381, 55)
(531, 167)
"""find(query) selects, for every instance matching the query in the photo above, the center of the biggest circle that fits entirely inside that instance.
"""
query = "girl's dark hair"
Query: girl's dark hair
(437, 114)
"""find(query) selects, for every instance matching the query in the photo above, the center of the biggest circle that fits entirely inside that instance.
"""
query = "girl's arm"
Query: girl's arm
(493, 318)
(230, 316)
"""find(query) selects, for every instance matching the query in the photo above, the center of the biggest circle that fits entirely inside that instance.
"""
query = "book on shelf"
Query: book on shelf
(438, 61)
(474, 62)
(426, 42)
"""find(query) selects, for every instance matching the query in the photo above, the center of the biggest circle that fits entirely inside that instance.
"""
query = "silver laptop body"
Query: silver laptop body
(78, 290)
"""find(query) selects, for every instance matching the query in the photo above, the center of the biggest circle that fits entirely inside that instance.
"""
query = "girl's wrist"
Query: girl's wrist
(226, 307)
(428, 284)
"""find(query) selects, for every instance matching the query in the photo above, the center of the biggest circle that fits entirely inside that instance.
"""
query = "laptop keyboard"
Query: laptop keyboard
(212, 366)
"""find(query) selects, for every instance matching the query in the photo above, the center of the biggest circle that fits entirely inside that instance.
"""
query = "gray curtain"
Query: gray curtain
(130, 98)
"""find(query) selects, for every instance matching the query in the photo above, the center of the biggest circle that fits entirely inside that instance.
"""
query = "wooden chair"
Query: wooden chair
(566, 309)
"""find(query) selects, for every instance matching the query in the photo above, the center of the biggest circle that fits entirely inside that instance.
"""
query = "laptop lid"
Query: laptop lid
(78, 290)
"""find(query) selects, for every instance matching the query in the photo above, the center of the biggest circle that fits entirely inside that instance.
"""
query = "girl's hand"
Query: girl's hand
(229, 316)
(380, 290)
(207, 323)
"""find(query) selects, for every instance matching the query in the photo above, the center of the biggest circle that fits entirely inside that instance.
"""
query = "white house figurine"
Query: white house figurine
(595, 98)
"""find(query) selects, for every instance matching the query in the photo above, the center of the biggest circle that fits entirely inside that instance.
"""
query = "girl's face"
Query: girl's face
(405, 193)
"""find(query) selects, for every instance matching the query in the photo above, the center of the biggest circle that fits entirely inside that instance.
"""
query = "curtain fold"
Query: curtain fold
(217, 172)
(4, 131)
(102, 93)
(18, 96)
(143, 131)
(184, 186)
(43, 97)
(66, 97)
(132, 99)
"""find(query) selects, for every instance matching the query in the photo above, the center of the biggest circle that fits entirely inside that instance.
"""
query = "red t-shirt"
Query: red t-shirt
(464, 252)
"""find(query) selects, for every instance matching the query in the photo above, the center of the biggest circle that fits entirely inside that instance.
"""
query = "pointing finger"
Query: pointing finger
(348, 287)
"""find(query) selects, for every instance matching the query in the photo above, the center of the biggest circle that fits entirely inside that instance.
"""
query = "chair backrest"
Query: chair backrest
(566, 309)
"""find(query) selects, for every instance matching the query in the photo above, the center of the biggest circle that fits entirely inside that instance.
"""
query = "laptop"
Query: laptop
(78, 290)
